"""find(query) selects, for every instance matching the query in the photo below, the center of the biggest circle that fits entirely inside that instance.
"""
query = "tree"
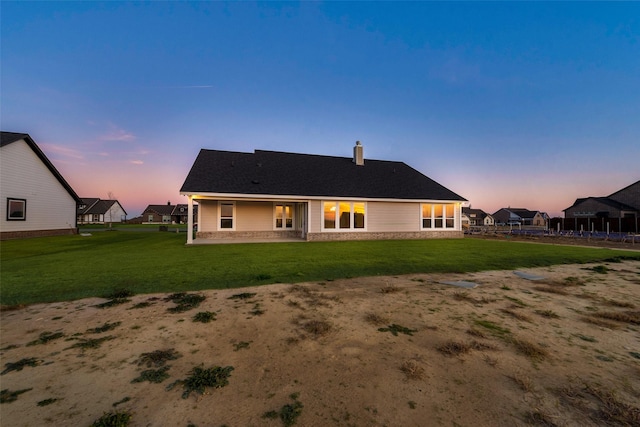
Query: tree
(112, 209)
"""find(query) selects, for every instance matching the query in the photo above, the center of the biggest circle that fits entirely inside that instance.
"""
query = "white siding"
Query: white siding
(114, 214)
(207, 215)
(24, 176)
(254, 216)
(380, 216)
(315, 216)
(387, 216)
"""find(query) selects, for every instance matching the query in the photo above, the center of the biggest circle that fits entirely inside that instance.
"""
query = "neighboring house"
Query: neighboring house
(157, 214)
(180, 213)
(167, 214)
(270, 194)
(97, 211)
(35, 199)
(521, 217)
(620, 209)
(477, 217)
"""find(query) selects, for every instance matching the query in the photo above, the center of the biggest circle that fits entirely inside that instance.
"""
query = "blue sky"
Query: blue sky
(506, 103)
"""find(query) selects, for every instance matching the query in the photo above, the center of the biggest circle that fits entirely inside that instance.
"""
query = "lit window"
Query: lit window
(449, 216)
(329, 215)
(284, 216)
(427, 213)
(348, 215)
(358, 215)
(345, 215)
(435, 215)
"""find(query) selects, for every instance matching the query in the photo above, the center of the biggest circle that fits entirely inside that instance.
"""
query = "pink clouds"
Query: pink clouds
(117, 134)
(62, 151)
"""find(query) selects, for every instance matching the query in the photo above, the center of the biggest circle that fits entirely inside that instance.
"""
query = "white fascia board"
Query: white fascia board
(267, 197)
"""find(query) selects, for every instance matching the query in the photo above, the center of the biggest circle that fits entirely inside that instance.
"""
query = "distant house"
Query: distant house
(270, 194)
(620, 209)
(477, 217)
(35, 199)
(167, 214)
(97, 211)
(520, 217)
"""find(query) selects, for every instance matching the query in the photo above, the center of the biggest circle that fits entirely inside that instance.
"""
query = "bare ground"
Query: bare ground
(394, 351)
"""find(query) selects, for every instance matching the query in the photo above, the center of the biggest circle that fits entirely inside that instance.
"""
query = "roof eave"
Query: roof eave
(242, 196)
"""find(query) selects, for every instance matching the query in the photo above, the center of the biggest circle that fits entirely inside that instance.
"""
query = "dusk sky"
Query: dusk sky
(515, 104)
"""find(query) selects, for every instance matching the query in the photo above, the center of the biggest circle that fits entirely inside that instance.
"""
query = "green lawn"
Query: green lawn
(72, 267)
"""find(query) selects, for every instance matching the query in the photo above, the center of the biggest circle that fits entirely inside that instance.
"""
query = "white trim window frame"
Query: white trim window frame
(437, 216)
(343, 216)
(283, 216)
(16, 209)
(226, 216)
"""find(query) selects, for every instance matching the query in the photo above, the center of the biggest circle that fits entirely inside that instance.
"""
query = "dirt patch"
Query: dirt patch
(509, 352)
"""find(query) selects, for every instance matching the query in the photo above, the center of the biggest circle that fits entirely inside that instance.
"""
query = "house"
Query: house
(36, 199)
(97, 211)
(166, 214)
(477, 217)
(520, 217)
(620, 210)
(271, 194)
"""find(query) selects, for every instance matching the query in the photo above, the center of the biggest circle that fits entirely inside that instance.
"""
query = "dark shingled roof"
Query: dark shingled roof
(291, 174)
(605, 201)
(160, 209)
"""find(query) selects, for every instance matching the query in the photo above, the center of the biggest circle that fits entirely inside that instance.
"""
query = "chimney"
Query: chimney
(358, 154)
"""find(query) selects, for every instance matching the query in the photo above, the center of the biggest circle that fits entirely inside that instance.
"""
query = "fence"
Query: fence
(530, 231)
(596, 225)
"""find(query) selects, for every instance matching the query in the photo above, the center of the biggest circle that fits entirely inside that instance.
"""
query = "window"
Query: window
(427, 214)
(166, 219)
(329, 215)
(436, 215)
(16, 209)
(448, 218)
(344, 215)
(227, 210)
(150, 218)
(358, 215)
(284, 216)
(96, 217)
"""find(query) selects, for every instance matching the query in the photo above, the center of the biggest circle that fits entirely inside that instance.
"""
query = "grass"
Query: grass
(394, 329)
(47, 402)
(113, 419)
(158, 357)
(104, 328)
(200, 379)
(601, 405)
(45, 337)
(184, 301)
(632, 317)
(492, 327)
(19, 365)
(64, 268)
(412, 370)
(153, 375)
(204, 317)
(529, 349)
(7, 396)
(94, 343)
(288, 414)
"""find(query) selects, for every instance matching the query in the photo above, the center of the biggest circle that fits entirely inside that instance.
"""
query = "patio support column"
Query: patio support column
(190, 220)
